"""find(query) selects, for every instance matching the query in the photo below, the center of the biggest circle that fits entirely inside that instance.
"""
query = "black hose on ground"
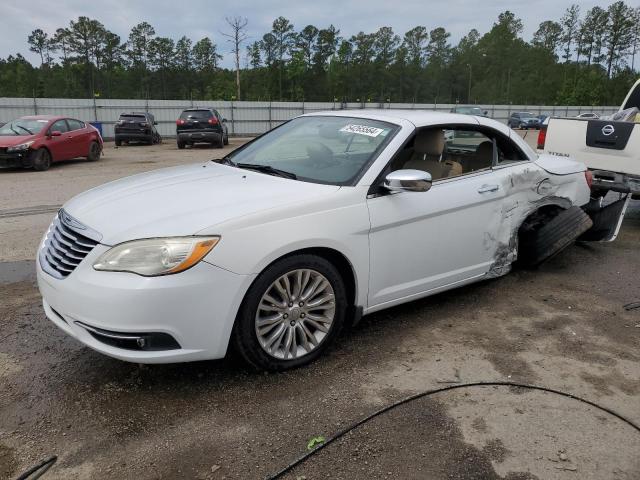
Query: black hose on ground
(38, 470)
(377, 413)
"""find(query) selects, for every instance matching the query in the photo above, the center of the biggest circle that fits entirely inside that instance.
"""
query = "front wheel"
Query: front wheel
(41, 159)
(291, 314)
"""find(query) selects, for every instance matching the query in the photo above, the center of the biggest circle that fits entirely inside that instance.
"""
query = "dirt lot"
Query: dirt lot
(563, 326)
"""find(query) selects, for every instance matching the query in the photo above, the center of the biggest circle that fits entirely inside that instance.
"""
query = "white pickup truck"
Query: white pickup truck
(611, 151)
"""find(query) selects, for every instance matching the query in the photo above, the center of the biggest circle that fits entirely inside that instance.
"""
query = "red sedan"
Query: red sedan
(37, 141)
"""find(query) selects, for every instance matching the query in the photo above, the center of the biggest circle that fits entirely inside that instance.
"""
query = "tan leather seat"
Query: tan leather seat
(427, 155)
(483, 157)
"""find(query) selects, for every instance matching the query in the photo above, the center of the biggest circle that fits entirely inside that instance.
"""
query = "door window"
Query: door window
(59, 126)
(446, 153)
(75, 124)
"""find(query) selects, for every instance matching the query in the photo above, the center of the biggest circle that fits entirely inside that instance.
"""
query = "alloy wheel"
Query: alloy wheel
(295, 314)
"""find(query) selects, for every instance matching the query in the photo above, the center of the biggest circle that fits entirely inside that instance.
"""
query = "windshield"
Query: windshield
(23, 126)
(330, 150)
(527, 115)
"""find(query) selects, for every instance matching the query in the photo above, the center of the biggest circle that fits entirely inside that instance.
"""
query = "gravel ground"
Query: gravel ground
(562, 326)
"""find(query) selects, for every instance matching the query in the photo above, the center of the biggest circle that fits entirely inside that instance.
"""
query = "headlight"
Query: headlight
(20, 148)
(156, 256)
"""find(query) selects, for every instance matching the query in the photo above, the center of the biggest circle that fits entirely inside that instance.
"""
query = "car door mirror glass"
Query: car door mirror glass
(408, 181)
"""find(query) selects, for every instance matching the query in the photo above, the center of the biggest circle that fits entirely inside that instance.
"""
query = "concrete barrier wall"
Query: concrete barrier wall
(244, 118)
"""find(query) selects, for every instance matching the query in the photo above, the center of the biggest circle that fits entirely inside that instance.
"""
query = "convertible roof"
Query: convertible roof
(420, 118)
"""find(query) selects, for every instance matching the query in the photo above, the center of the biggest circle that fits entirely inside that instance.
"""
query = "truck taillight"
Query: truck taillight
(180, 122)
(588, 176)
(542, 137)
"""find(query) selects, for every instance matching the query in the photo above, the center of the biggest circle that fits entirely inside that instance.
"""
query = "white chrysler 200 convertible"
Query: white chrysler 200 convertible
(275, 247)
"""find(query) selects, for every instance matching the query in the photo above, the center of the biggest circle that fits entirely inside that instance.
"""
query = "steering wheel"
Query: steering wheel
(320, 155)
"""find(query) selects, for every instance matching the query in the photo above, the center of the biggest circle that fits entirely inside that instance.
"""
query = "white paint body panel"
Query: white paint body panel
(400, 247)
(566, 137)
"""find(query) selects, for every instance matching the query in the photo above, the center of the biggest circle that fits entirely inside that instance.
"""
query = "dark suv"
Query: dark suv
(524, 120)
(136, 127)
(201, 125)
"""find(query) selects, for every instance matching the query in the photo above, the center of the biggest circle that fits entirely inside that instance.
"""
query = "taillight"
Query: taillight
(542, 137)
(213, 121)
(144, 124)
(180, 122)
(588, 176)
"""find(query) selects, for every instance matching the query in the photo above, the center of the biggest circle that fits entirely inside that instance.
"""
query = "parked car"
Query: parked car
(201, 125)
(468, 110)
(136, 127)
(37, 141)
(523, 120)
(327, 217)
(542, 118)
(588, 115)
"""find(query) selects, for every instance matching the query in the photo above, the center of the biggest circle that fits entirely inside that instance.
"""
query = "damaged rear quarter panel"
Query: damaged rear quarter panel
(527, 187)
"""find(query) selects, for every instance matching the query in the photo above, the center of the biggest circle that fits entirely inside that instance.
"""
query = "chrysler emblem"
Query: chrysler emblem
(71, 222)
(608, 130)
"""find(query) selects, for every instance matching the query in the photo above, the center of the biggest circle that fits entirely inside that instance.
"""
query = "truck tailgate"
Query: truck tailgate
(600, 144)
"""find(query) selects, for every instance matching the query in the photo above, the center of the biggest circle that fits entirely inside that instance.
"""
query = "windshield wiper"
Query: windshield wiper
(25, 129)
(226, 160)
(267, 169)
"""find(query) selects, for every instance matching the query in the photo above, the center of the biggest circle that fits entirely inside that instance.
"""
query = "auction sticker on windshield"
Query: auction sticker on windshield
(362, 130)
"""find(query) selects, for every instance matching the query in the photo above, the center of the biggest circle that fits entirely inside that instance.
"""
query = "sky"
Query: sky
(199, 18)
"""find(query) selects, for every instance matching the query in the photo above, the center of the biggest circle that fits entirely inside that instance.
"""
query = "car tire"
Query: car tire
(293, 325)
(547, 240)
(226, 139)
(181, 145)
(94, 152)
(41, 159)
(118, 143)
(220, 142)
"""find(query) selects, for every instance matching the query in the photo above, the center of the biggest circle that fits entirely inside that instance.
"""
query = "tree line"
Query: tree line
(583, 58)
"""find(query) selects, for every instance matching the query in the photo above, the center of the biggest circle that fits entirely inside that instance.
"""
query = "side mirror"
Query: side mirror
(56, 133)
(224, 120)
(408, 181)
(155, 123)
(486, 113)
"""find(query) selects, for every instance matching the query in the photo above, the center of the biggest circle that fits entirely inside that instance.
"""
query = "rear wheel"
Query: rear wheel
(118, 143)
(546, 235)
(41, 159)
(181, 145)
(94, 152)
(220, 142)
(291, 313)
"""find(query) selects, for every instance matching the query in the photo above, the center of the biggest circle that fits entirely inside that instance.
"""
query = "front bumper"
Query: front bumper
(196, 308)
(15, 160)
(202, 136)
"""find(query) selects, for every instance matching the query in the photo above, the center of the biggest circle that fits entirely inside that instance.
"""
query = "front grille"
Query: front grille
(64, 248)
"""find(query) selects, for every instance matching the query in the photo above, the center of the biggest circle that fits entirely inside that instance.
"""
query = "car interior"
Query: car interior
(447, 153)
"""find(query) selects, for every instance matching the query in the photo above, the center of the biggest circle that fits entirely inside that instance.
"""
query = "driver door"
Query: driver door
(423, 242)
(60, 147)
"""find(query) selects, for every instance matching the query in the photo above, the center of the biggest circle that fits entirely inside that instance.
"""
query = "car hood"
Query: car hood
(184, 200)
(12, 140)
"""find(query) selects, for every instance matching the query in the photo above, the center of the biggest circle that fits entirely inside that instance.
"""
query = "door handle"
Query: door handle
(488, 188)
